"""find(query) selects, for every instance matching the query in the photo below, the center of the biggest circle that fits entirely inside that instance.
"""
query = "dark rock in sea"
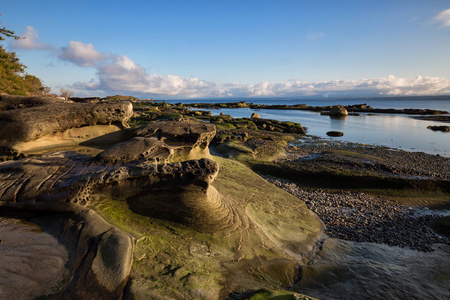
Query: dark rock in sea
(439, 128)
(335, 133)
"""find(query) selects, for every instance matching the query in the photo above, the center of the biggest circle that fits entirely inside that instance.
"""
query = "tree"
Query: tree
(5, 33)
(33, 85)
(66, 93)
(13, 80)
(10, 69)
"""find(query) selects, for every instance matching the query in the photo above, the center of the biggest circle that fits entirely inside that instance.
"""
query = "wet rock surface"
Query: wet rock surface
(32, 261)
(351, 270)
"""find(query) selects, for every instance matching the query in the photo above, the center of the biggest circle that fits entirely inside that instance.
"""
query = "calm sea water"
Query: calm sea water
(391, 130)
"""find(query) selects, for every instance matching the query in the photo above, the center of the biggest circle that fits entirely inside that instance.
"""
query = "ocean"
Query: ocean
(397, 131)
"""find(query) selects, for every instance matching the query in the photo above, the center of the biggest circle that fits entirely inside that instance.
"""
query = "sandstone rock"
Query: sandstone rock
(189, 141)
(338, 110)
(112, 262)
(255, 116)
(31, 118)
(59, 181)
(138, 148)
(32, 262)
(57, 187)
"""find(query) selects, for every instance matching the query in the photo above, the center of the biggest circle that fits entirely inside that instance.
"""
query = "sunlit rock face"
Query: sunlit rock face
(138, 148)
(189, 141)
(33, 122)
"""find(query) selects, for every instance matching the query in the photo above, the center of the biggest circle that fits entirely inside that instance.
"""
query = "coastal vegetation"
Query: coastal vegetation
(13, 79)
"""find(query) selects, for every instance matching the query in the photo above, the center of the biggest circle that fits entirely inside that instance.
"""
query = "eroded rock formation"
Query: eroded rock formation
(28, 119)
(189, 141)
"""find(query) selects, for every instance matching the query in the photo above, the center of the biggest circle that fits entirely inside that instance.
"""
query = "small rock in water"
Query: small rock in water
(335, 133)
(439, 128)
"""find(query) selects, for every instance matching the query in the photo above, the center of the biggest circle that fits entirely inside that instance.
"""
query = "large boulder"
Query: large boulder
(338, 111)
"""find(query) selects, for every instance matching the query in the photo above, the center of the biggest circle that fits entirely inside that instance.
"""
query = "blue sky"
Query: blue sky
(181, 49)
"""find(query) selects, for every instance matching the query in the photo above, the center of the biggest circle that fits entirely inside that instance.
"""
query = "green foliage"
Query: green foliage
(5, 33)
(13, 81)
(10, 68)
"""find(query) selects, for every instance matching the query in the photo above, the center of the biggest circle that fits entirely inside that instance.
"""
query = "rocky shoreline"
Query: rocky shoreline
(148, 212)
(371, 158)
(350, 108)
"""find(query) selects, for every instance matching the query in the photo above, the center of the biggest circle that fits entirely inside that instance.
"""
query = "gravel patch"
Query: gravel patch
(358, 217)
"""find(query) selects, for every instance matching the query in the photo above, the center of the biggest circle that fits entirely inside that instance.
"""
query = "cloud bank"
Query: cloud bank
(30, 41)
(444, 18)
(119, 74)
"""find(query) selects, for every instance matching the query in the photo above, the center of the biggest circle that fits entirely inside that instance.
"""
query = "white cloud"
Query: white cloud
(315, 36)
(81, 54)
(122, 74)
(30, 40)
(444, 18)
